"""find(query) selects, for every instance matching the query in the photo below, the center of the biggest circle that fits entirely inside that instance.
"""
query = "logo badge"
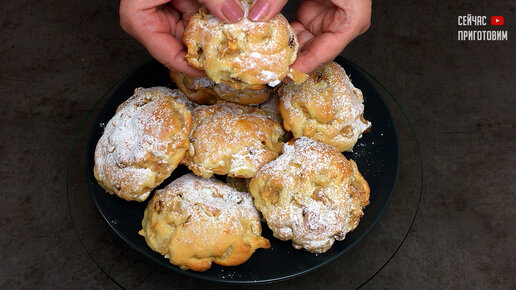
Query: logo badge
(496, 20)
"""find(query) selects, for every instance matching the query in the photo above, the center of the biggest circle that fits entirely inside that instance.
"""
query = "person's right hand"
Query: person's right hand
(159, 26)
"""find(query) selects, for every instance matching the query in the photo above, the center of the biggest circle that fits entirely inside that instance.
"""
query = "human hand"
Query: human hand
(324, 28)
(159, 26)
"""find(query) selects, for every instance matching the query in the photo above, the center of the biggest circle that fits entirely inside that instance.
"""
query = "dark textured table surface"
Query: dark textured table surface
(58, 57)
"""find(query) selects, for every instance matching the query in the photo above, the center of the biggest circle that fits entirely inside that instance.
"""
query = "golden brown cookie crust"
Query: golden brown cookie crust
(311, 194)
(326, 107)
(196, 221)
(143, 143)
(231, 139)
(204, 91)
(245, 54)
(197, 89)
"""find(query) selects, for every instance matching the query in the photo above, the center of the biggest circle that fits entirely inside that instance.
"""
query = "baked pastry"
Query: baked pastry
(231, 139)
(245, 54)
(311, 194)
(196, 221)
(204, 91)
(143, 143)
(326, 107)
(196, 89)
(271, 108)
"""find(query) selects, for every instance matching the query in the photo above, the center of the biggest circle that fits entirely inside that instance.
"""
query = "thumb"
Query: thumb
(264, 10)
(229, 11)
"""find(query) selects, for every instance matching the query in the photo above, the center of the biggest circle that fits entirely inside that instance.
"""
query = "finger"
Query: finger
(297, 26)
(264, 10)
(303, 36)
(321, 50)
(229, 11)
(169, 51)
(365, 21)
(358, 14)
(186, 7)
(142, 5)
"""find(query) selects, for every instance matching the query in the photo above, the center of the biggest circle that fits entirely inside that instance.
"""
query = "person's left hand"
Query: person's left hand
(159, 26)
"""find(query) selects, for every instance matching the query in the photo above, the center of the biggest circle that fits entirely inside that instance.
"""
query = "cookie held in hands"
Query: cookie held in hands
(244, 55)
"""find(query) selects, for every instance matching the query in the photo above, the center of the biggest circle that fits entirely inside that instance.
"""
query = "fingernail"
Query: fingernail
(259, 10)
(232, 11)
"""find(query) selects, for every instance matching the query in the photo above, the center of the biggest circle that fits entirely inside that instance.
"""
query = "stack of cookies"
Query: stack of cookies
(278, 144)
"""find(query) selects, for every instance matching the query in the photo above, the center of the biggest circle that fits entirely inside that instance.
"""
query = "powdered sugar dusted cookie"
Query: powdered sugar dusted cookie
(196, 221)
(311, 194)
(143, 143)
(231, 139)
(246, 54)
(326, 107)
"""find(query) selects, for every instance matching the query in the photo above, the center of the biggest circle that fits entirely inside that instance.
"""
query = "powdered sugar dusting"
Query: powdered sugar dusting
(270, 77)
(202, 82)
(247, 51)
(328, 105)
(305, 152)
(315, 204)
(209, 203)
(251, 157)
(209, 191)
(135, 136)
(195, 220)
(232, 139)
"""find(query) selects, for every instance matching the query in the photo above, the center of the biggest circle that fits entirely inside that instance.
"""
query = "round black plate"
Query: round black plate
(376, 154)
